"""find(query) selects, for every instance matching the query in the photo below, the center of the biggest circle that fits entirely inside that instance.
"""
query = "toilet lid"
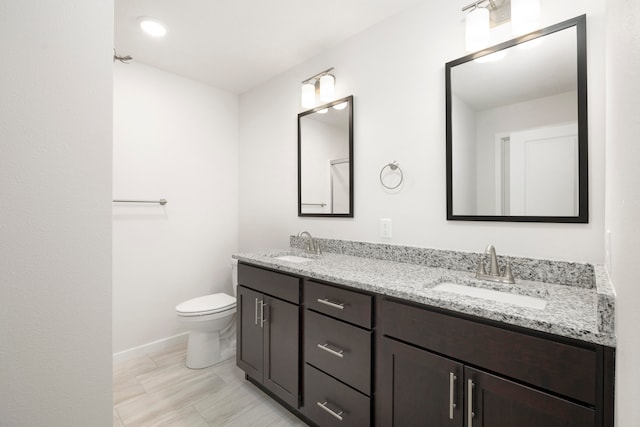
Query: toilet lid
(208, 304)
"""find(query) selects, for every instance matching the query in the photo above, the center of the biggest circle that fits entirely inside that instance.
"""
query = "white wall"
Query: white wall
(395, 70)
(177, 139)
(623, 196)
(55, 222)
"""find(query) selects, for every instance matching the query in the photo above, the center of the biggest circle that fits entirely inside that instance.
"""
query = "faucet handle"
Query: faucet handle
(507, 274)
(481, 269)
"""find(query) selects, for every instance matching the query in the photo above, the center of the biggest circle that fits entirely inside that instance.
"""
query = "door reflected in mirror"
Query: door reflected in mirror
(325, 160)
(517, 129)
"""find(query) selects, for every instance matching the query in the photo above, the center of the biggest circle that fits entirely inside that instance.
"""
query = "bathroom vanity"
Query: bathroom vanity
(354, 340)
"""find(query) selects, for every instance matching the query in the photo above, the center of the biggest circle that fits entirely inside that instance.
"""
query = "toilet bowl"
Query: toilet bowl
(211, 323)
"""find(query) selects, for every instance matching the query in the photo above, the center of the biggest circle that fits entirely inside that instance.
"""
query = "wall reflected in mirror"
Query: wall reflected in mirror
(517, 130)
(325, 160)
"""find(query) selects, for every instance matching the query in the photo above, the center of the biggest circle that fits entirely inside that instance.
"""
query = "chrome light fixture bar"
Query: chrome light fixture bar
(499, 10)
(485, 14)
(321, 84)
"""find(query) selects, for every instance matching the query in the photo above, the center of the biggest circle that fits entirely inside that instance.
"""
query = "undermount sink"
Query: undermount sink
(293, 258)
(492, 295)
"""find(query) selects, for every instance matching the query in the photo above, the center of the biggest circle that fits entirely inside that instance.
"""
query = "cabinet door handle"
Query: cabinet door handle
(470, 414)
(452, 387)
(325, 301)
(339, 353)
(337, 415)
(256, 312)
(262, 319)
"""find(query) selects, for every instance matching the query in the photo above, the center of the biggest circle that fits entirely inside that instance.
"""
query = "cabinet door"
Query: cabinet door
(249, 353)
(282, 349)
(418, 388)
(496, 402)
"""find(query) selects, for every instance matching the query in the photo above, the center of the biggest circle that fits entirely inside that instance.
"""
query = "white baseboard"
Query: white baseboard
(151, 347)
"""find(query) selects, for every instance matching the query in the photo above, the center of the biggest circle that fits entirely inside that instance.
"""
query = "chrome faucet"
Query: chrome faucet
(494, 271)
(313, 247)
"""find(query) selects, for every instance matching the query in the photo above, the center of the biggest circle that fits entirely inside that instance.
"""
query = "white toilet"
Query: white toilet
(211, 324)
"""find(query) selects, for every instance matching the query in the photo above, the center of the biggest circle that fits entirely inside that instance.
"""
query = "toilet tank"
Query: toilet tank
(234, 276)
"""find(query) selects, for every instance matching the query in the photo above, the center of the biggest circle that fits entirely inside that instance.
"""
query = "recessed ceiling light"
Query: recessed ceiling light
(152, 26)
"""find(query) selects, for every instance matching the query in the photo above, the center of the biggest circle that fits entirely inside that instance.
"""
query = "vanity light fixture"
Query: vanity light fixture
(486, 14)
(476, 29)
(525, 16)
(308, 95)
(152, 26)
(322, 85)
(327, 88)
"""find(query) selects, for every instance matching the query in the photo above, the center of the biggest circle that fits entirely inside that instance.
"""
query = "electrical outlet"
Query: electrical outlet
(385, 228)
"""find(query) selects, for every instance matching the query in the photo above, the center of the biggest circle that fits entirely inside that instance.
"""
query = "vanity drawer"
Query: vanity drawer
(328, 402)
(340, 349)
(350, 306)
(561, 368)
(269, 282)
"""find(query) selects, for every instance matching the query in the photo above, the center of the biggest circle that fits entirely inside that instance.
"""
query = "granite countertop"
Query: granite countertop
(586, 314)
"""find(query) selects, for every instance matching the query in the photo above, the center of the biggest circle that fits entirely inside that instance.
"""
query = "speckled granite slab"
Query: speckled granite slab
(537, 270)
(581, 312)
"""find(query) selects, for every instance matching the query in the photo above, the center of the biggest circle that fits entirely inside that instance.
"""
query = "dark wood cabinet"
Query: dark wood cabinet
(339, 349)
(492, 401)
(281, 350)
(268, 334)
(338, 356)
(418, 388)
(250, 335)
(329, 402)
(438, 369)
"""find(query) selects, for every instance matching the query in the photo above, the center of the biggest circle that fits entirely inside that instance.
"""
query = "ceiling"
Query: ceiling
(238, 44)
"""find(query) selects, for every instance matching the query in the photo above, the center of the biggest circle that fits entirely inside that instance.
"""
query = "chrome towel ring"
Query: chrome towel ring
(394, 169)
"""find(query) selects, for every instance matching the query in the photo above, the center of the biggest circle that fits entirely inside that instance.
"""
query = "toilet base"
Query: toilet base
(205, 349)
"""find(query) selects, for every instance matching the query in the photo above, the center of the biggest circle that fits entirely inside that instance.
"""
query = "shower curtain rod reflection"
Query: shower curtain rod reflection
(161, 201)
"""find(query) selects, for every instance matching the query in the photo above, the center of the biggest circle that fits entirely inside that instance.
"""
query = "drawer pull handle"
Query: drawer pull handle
(262, 319)
(338, 305)
(325, 347)
(335, 414)
(452, 402)
(470, 414)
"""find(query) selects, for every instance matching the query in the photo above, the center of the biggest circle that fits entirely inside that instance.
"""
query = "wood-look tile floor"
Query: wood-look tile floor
(159, 390)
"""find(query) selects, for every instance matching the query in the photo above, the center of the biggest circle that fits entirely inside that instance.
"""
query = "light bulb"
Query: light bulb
(308, 99)
(323, 111)
(152, 26)
(476, 33)
(525, 16)
(340, 106)
(327, 87)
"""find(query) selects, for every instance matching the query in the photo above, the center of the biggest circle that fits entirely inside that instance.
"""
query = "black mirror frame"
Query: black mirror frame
(580, 23)
(348, 99)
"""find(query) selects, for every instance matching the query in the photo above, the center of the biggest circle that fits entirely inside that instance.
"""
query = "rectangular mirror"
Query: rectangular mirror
(517, 129)
(325, 160)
